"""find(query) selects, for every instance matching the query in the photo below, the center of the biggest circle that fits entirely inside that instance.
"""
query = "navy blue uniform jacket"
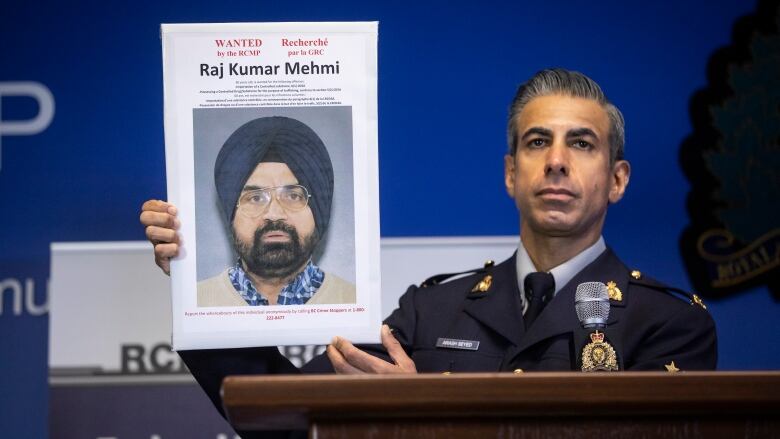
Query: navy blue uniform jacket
(650, 327)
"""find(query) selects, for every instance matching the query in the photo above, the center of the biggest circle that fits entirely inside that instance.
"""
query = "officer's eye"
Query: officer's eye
(582, 144)
(537, 143)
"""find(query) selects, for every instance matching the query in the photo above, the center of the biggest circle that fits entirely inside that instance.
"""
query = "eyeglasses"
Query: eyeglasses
(254, 202)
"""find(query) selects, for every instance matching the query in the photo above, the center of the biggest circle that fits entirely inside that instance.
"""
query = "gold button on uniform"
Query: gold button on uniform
(518, 371)
(636, 274)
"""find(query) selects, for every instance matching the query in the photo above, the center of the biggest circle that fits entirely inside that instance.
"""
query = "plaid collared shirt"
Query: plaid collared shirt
(297, 292)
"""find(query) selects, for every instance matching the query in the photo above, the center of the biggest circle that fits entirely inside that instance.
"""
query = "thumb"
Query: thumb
(396, 351)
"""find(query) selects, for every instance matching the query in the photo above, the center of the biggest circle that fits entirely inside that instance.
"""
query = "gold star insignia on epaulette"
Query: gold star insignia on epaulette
(483, 285)
(697, 300)
(614, 291)
(636, 274)
(671, 368)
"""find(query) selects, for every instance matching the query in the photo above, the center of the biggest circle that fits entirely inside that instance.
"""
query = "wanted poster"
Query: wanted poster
(271, 159)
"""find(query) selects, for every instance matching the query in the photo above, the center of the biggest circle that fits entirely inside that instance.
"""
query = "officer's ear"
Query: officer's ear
(509, 174)
(620, 174)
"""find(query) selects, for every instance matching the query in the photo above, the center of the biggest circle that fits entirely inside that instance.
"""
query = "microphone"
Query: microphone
(591, 302)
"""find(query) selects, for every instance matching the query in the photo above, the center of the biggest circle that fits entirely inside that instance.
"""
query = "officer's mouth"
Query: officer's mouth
(556, 194)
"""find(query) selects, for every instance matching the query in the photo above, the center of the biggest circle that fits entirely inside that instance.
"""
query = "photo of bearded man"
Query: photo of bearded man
(274, 183)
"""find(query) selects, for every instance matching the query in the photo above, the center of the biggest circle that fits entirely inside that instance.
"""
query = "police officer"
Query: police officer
(564, 167)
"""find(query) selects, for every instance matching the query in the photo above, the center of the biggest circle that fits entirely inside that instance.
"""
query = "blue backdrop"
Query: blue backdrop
(447, 71)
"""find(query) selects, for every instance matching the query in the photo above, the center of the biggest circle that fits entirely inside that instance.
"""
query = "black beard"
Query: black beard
(276, 260)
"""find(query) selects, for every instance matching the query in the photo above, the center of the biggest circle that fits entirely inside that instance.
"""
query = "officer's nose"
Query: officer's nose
(558, 159)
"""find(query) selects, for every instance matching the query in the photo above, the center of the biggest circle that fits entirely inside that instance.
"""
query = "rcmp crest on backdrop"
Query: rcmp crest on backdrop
(732, 159)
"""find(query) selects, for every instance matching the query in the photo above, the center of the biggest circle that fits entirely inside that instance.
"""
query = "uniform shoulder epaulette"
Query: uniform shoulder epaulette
(439, 278)
(640, 279)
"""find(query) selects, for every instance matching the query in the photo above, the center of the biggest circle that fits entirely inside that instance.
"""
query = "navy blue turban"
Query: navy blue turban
(275, 139)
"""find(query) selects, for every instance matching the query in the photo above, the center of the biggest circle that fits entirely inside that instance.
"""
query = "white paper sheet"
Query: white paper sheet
(217, 77)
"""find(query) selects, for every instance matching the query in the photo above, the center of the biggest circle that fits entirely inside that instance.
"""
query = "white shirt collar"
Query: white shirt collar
(562, 273)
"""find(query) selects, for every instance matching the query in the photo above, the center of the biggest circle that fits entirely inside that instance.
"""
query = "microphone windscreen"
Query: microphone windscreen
(591, 301)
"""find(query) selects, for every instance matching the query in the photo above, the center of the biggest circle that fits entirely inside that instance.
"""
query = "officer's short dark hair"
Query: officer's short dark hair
(560, 81)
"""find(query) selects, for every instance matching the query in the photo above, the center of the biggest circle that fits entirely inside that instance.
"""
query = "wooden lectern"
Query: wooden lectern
(505, 405)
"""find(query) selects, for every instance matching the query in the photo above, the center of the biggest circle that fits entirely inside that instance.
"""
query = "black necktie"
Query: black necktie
(539, 288)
